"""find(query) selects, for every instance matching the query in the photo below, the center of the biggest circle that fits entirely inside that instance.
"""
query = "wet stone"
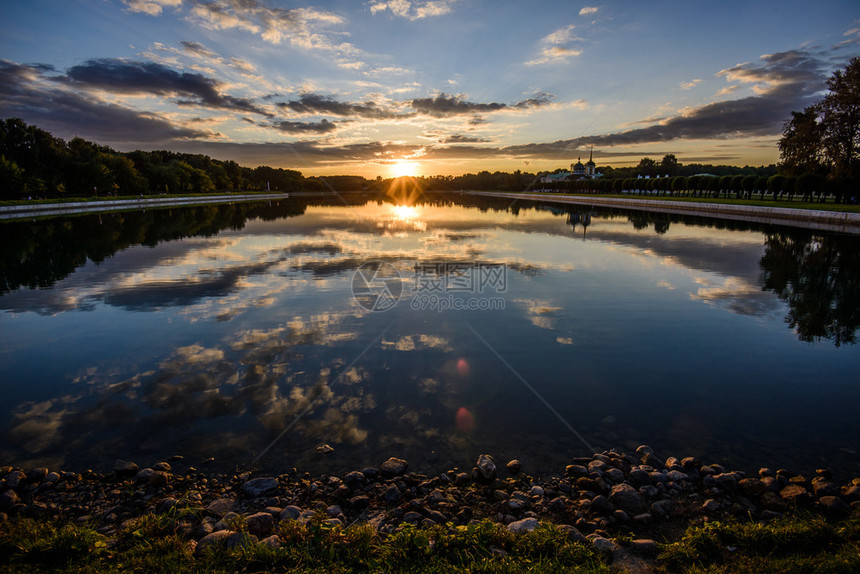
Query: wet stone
(514, 467)
(393, 467)
(258, 487)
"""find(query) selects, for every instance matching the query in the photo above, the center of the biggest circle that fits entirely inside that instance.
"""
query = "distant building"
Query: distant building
(586, 171)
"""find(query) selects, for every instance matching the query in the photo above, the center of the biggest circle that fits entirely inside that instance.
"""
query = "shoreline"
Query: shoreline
(623, 505)
(821, 220)
(74, 207)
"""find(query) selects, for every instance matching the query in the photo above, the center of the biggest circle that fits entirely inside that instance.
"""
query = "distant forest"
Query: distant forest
(35, 164)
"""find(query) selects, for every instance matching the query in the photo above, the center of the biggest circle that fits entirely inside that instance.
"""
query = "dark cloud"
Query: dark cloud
(458, 138)
(539, 99)
(784, 81)
(322, 127)
(182, 292)
(127, 77)
(198, 49)
(444, 105)
(67, 114)
(316, 104)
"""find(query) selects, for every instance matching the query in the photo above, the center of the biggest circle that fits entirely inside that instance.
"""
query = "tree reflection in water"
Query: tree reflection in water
(818, 277)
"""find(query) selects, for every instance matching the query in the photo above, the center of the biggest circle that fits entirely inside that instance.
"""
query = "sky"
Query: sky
(423, 87)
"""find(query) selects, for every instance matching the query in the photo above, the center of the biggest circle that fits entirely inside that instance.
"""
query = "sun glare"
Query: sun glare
(405, 212)
(404, 168)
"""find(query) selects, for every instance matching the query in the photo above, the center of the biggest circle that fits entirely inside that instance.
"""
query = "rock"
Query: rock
(753, 487)
(575, 470)
(158, 479)
(573, 534)
(144, 474)
(663, 508)
(603, 545)
(851, 493)
(651, 460)
(333, 511)
(218, 538)
(258, 487)
(354, 479)
(392, 494)
(834, 507)
(620, 516)
(161, 466)
(728, 481)
(8, 499)
(769, 515)
(711, 506)
(823, 487)
(557, 504)
(359, 503)
(272, 541)
(766, 472)
(614, 475)
(644, 546)
(260, 524)
(524, 525)
(221, 506)
(644, 449)
(601, 505)
(677, 476)
(240, 539)
(175, 458)
(393, 467)
(486, 468)
(324, 449)
(291, 513)
(627, 498)
(639, 477)
(15, 478)
(795, 494)
(514, 467)
(690, 462)
(125, 468)
(413, 517)
(536, 491)
(37, 474)
(52, 477)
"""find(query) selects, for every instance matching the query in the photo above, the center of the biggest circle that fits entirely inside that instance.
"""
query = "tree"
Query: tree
(669, 165)
(647, 166)
(825, 137)
(801, 147)
(840, 119)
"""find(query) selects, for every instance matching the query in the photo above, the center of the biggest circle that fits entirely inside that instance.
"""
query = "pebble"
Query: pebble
(393, 467)
(258, 487)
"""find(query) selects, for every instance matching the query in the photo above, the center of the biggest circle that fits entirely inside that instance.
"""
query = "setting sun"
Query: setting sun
(404, 168)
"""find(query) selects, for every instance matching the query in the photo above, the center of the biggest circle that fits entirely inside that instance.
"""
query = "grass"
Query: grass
(801, 543)
(796, 204)
(152, 545)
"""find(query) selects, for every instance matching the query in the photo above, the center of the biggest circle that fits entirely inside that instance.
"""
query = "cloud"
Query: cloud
(459, 138)
(586, 10)
(554, 49)
(413, 10)
(444, 105)
(691, 84)
(318, 104)
(301, 27)
(24, 94)
(151, 7)
(321, 127)
(129, 77)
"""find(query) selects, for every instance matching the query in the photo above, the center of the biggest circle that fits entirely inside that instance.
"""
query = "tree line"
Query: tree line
(34, 163)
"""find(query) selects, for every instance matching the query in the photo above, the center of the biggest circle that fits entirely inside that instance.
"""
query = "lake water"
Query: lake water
(256, 333)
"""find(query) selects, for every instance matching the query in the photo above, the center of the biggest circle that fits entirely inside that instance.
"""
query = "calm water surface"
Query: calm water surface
(234, 332)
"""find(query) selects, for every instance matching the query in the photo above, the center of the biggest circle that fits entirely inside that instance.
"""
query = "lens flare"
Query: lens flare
(463, 368)
(465, 420)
